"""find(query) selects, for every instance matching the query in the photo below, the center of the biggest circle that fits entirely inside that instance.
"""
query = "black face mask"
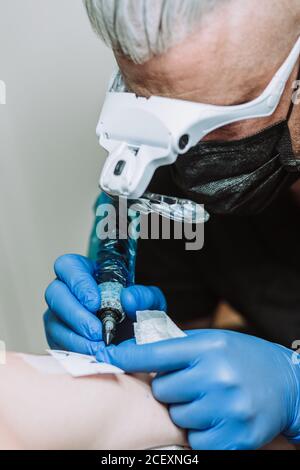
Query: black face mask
(240, 177)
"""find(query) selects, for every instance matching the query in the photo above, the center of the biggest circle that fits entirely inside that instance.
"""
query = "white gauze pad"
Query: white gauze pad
(153, 326)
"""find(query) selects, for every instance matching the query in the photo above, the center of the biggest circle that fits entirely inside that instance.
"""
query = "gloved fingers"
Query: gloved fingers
(61, 337)
(194, 332)
(163, 356)
(197, 415)
(70, 311)
(220, 437)
(205, 440)
(77, 272)
(138, 297)
(53, 345)
(177, 387)
(47, 319)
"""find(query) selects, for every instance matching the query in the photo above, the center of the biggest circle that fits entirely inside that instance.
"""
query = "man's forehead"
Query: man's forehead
(224, 88)
(208, 79)
(226, 62)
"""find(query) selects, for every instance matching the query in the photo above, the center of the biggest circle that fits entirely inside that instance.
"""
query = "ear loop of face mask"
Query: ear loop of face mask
(285, 148)
(291, 108)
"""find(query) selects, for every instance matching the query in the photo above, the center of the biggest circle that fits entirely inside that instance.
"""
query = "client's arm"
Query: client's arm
(59, 412)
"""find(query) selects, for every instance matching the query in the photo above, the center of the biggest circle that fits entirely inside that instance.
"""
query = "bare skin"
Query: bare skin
(40, 411)
(92, 413)
(229, 60)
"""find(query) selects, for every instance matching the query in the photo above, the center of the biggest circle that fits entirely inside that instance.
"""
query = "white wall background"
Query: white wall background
(56, 71)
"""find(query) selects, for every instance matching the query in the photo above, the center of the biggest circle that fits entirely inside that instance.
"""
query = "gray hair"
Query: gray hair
(140, 29)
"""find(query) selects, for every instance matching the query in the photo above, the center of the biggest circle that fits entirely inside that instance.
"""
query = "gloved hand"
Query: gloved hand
(229, 390)
(74, 298)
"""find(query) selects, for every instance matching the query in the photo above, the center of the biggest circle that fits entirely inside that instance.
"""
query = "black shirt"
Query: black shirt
(253, 263)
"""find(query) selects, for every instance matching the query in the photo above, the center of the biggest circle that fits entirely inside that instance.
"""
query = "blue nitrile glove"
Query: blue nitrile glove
(74, 298)
(229, 390)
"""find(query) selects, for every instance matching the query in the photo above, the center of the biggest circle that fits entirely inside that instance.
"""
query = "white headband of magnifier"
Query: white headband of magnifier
(142, 134)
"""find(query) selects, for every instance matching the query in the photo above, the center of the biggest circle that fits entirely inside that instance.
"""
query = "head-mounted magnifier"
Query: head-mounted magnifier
(142, 134)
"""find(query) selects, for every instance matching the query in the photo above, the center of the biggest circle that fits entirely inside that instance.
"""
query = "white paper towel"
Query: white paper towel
(44, 364)
(81, 365)
(151, 326)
